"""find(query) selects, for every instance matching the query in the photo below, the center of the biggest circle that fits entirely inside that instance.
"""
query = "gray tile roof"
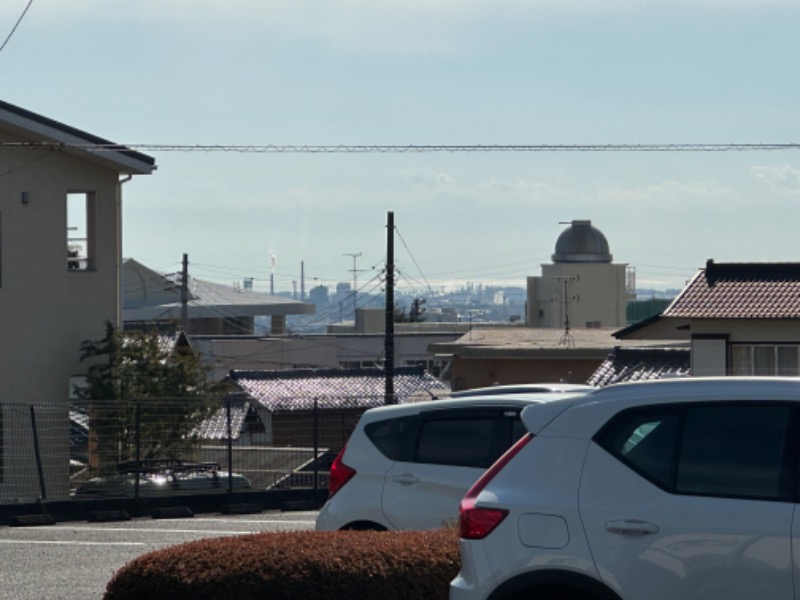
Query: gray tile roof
(740, 291)
(150, 295)
(333, 388)
(641, 364)
(216, 426)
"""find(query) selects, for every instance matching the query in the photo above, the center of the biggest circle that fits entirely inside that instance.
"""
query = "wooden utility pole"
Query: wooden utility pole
(185, 294)
(389, 397)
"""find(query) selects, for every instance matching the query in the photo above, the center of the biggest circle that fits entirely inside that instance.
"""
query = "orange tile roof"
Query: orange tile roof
(740, 291)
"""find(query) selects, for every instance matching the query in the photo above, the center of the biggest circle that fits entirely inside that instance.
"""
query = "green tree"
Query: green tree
(144, 393)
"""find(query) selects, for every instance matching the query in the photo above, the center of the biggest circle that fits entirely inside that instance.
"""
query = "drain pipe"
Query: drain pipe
(118, 249)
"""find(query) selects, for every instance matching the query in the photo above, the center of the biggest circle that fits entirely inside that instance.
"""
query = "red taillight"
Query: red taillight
(475, 523)
(339, 475)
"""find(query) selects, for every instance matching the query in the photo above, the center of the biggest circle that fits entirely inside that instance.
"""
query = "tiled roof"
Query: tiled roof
(741, 291)
(639, 364)
(215, 427)
(332, 388)
(149, 295)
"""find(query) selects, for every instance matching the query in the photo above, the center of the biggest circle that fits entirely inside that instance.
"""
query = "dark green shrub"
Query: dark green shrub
(303, 564)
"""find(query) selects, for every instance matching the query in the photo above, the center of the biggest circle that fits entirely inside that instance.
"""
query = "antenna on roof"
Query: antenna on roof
(566, 338)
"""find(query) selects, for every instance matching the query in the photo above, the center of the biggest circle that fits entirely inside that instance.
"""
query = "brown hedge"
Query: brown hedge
(292, 565)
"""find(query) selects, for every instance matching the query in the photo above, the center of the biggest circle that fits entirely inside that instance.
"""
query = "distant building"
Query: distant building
(581, 288)
(151, 299)
(319, 296)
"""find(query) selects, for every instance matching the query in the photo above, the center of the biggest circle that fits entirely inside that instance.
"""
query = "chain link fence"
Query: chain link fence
(169, 447)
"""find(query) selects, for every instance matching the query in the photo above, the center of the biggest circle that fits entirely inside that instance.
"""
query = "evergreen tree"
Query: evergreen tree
(139, 382)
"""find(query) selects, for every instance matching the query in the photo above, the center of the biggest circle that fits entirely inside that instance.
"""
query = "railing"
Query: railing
(168, 446)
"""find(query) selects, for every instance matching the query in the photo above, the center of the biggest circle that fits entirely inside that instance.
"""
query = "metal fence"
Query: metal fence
(168, 447)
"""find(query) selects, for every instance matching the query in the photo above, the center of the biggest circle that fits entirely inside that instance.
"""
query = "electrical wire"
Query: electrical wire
(408, 148)
(13, 29)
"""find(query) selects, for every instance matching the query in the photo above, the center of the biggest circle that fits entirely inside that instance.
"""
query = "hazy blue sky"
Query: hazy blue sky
(429, 72)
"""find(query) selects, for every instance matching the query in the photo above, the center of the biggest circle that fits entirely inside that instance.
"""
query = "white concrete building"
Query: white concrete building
(581, 288)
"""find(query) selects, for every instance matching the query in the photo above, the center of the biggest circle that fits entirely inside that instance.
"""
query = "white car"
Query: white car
(670, 489)
(408, 466)
(524, 388)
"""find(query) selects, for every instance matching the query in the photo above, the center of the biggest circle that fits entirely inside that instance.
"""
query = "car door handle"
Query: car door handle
(405, 479)
(631, 527)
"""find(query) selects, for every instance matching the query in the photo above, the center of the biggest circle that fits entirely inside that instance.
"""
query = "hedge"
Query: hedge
(291, 565)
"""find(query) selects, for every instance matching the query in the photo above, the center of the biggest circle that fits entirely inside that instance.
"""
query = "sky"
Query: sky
(428, 72)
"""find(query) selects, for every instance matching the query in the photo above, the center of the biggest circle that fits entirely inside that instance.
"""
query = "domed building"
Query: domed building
(582, 288)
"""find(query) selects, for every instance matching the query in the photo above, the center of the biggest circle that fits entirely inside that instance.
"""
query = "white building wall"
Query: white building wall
(595, 291)
(709, 357)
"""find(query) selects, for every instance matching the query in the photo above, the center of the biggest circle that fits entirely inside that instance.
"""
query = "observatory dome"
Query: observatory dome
(582, 243)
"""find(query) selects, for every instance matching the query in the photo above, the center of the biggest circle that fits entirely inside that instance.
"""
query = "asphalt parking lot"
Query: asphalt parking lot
(75, 560)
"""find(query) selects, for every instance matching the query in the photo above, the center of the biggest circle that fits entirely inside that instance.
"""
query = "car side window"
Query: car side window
(725, 450)
(645, 440)
(733, 451)
(392, 436)
(463, 442)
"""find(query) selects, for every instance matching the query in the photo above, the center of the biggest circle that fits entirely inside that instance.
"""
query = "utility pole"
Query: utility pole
(355, 280)
(185, 294)
(389, 397)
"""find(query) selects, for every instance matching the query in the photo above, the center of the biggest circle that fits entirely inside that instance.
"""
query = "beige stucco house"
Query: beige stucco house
(60, 256)
(740, 319)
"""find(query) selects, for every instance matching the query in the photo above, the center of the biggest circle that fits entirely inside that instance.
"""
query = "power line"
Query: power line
(13, 29)
(409, 148)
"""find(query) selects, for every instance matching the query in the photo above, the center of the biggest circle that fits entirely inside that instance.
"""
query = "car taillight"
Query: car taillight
(339, 475)
(475, 522)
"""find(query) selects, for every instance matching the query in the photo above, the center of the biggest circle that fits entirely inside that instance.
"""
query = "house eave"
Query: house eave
(48, 132)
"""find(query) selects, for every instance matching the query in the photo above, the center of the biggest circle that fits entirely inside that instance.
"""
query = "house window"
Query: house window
(765, 359)
(81, 232)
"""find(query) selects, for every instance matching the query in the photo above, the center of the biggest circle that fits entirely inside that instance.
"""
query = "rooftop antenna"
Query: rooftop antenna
(355, 278)
(566, 337)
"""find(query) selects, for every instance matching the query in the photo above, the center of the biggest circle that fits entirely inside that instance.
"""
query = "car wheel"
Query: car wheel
(363, 526)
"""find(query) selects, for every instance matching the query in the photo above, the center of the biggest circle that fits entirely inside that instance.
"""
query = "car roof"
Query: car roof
(583, 414)
(485, 401)
(523, 388)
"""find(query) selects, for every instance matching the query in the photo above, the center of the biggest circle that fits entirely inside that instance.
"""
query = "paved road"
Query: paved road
(75, 561)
